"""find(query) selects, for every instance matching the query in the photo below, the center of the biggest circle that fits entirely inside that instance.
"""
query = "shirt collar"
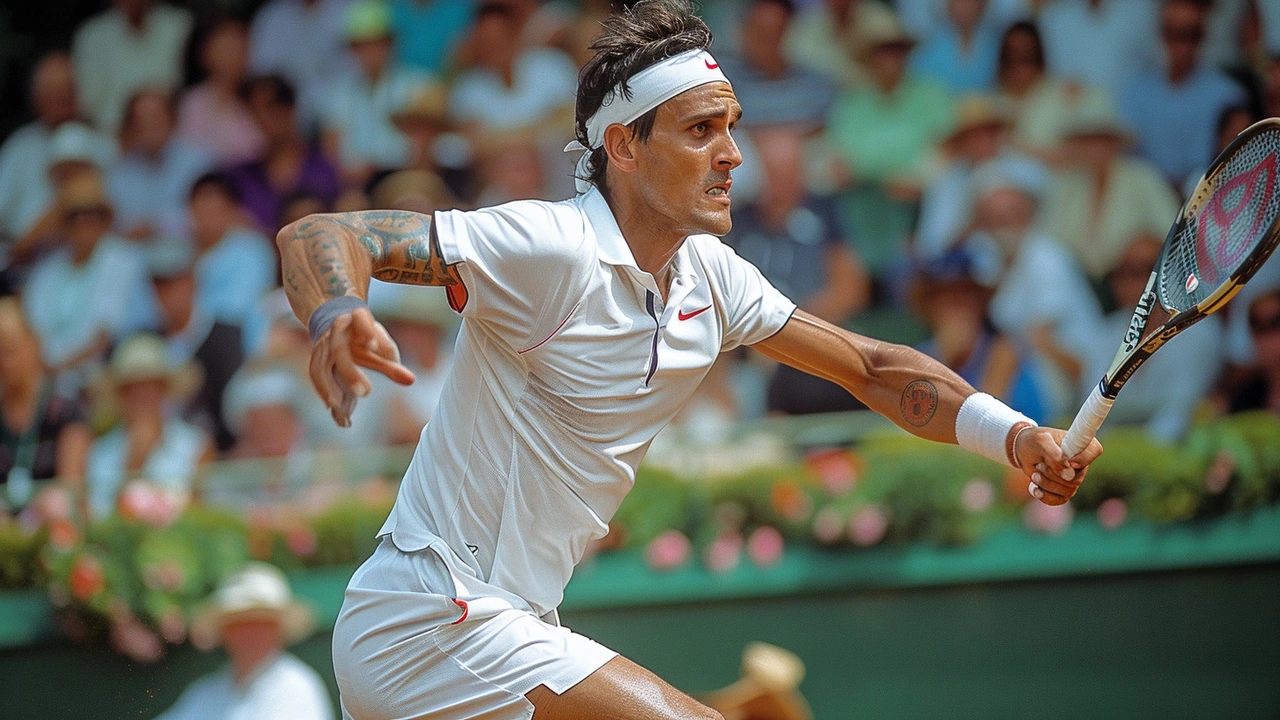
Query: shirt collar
(613, 247)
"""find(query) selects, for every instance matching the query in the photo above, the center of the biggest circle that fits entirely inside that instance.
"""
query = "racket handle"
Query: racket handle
(1088, 420)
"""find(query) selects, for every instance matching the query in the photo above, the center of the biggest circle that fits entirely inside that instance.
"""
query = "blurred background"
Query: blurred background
(989, 181)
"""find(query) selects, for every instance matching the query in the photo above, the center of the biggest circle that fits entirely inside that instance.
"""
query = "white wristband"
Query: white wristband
(983, 425)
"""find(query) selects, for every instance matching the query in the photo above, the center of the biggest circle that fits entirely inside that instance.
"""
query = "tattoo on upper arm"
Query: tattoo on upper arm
(919, 402)
(409, 250)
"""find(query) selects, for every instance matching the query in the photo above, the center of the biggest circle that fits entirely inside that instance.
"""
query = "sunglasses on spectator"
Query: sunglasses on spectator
(1265, 324)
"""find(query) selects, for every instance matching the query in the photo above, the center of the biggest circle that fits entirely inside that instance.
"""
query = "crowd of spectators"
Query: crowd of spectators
(998, 173)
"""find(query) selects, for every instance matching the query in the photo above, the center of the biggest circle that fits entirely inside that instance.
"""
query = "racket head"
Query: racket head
(1227, 228)
(1224, 233)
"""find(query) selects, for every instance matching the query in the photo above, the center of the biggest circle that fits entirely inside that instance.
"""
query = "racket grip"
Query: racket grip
(1088, 420)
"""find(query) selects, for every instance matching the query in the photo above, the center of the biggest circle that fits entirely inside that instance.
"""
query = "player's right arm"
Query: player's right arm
(325, 257)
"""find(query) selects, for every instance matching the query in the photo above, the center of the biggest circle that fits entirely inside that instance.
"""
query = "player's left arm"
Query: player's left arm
(921, 395)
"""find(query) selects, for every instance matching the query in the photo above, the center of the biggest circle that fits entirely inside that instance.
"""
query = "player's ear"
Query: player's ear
(620, 144)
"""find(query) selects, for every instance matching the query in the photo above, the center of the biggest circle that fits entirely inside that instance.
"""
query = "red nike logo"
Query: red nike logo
(710, 65)
(685, 316)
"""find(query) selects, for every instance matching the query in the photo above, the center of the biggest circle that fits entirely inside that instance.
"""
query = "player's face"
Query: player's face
(684, 169)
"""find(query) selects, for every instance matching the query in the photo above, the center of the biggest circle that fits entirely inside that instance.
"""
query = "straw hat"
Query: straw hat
(881, 30)
(429, 306)
(1097, 116)
(146, 357)
(368, 20)
(258, 592)
(407, 189)
(430, 105)
(978, 111)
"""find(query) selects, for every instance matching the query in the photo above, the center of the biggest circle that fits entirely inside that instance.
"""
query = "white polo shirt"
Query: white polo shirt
(567, 365)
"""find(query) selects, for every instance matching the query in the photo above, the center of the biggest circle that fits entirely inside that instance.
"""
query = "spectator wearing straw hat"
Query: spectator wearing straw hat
(151, 441)
(828, 36)
(254, 617)
(358, 133)
(92, 290)
(1103, 198)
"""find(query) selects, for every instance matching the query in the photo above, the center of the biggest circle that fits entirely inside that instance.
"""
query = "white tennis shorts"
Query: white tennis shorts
(416, 639)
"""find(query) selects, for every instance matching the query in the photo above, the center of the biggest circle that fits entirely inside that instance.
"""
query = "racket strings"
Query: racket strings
(1223, 226)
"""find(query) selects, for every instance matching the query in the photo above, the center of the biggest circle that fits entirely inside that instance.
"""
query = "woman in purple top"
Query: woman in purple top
(289, 166)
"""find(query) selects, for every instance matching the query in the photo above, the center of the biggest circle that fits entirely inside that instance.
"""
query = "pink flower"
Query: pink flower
(790, 500)
(133, 640)
(166, 574)
(837, 469)
(1112, 513)
(63, 535)
(173, 626)
(87, 578)
(868, 525)
(301, 541)
(1218, 476)
(828, 525)
(1048, 519)
(977, 495)
(669, 550)
(765, 545)
(724, 553)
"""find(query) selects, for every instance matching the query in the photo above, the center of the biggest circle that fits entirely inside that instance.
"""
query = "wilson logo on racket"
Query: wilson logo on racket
(1252, 192)
(1139, 321)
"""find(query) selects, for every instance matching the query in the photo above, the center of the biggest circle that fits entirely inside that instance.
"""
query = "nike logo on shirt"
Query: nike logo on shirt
(685, 316)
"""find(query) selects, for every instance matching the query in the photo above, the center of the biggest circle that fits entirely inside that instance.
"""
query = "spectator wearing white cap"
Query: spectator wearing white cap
(1103, 197)
(151, 441)
(134, 44)
(25, 187)
(358, 132)
(263, 407)
(1043, 302)
(254, 617)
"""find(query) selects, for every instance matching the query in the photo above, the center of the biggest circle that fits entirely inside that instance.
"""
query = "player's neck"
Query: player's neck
(652, 238)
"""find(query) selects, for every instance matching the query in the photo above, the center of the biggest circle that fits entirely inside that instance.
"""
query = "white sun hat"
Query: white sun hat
(258, 592)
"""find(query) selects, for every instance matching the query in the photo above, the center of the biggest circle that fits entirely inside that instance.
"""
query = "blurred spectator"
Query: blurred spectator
(422, 324)
(960, 52)
(1102, 43)
(1261, 390)
(920, 17)
(254, 616)
(796, 242)
(1175, 111)
(151, 442)
(1231, 122)
(953, 303)
(213, 115)
(289, 166)
(510, 168)
(235, 265)
(512, 86)
(946, 208)
(1271, 88)
(413, 190)
(192, 335)
(428, 29)
(150, 183)
(771, 89)
(422, 120)
(25, 187)
(1041, 105)
(263, 407)
(42, 435)
(1104, 197)
(829, 37)
(91, 290)
(1224, 22)
(357, 120)
(1043, 302)
(135, 44)
(884, 137)
(1163, 408)
(303, 41)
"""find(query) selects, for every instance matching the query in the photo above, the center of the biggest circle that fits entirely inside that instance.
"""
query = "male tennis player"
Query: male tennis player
(587, 324)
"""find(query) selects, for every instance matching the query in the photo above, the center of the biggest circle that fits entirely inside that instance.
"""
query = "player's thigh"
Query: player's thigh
(619, 690)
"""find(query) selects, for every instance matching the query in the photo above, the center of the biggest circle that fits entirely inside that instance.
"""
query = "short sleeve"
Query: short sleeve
(753, 309)
(525, 265)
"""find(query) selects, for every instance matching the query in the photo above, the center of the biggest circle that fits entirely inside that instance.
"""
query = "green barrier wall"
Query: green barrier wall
(1140, 622)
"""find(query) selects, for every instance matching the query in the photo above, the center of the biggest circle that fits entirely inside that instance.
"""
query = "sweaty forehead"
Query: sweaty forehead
(705, 101)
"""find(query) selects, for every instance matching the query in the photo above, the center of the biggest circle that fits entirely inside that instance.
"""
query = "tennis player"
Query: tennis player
(586, 325)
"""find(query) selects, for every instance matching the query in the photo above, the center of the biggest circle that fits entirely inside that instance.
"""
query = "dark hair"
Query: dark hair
(1228, 112)
(282, 92)
(787, 5)
(497, 9)
(131, 105)
(218, 182)
(1022, 26)
(633, 39)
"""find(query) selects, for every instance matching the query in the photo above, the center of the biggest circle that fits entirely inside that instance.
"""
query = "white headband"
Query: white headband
(649, 88)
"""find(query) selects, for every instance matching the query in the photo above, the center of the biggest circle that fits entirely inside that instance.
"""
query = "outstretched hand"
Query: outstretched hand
(1054, 477)
(354, 341)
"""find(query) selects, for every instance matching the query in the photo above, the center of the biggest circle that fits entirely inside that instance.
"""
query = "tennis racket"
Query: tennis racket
(1225, 231)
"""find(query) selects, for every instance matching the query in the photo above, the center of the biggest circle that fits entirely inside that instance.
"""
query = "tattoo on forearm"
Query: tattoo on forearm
(919, 402)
